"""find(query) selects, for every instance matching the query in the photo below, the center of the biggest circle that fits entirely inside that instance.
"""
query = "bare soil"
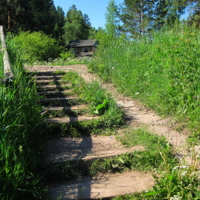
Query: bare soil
(85, 148)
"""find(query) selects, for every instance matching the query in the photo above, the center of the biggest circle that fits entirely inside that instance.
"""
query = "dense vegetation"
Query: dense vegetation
(1, 65)
(160, 67)
(20, 136)
(36, 46)
(145, 50)
(42, 15)
(132, 18)
(163, 72)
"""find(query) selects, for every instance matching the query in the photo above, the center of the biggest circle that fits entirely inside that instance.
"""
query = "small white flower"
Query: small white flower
(175, 167)
(184, 173)
(183, 167)
(194, 173)
(180, 167)
(175, 197)
(137, 93)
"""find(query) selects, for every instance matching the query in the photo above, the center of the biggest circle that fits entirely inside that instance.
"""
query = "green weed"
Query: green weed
(172, 180)
(1, 65)
(65, 62)
(20, 136)
(99, 102)
(60, 72)
(149, 159)
(161, 71)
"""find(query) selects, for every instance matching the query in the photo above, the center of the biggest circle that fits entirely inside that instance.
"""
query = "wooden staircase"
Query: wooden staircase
(76, 153)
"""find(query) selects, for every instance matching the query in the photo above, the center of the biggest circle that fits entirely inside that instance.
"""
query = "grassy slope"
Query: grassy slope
(163, 72)
(20, 137)
(1, 64)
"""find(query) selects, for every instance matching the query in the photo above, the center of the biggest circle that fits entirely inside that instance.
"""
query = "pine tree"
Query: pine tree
(13, 13)
(136, 16)
(32, 15)
(194, 17)
(59, 23)
(76, 25)
(112, 20)
(167, 12)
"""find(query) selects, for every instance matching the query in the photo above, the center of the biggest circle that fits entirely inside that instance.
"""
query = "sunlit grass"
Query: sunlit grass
(20, 136)
(1, 65)
(64, 62)
(162, 71)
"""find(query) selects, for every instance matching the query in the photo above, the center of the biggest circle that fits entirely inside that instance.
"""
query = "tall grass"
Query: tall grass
(162, 71)
(1, 64)
(63, 62)
(20, 136)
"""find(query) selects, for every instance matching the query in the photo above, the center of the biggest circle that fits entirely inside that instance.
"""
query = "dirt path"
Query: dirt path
(136, 115)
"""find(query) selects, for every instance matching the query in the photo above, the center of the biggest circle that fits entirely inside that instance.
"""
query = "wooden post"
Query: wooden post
(7, 67)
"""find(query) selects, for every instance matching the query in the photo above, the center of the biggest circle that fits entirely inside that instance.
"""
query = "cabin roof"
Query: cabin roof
(81, 43)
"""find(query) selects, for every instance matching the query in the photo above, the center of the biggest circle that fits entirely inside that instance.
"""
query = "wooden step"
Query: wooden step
(54, 92)
(50, 94)
(59, 101)
(47, 73)
(52, 77)
(102, 186)
(70, 119)
(53, 87)
(85, 148)
(48, 82)
(67, 108)
(59, 98)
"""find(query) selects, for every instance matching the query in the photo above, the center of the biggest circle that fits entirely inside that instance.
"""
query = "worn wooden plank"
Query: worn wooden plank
(7, 66)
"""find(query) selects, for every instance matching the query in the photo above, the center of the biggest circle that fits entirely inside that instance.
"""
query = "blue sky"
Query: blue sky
(95, 9)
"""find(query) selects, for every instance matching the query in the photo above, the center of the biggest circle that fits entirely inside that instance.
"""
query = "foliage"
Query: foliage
(92, 33)
(99, 102)
(180, 182)
(67, 55)
(60, 21)
(112, 19)
(137, 17)
(162, 72)
(194, 16)
(62, 61)
(172, 181)
(20, 136)
(36, 46)
(1, 65)
(33, 15)
(76, 26)
(143, 160)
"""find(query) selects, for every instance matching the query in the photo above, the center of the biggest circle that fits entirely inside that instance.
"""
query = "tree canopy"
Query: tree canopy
(134, 18)
(77, 25)
(32, 15)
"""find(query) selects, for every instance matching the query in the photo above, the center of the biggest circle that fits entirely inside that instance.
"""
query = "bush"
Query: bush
(67, 55)
(36, 46)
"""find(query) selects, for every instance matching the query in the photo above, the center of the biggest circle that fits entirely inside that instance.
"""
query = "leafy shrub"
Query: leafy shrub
(36, 46)
(20, 136)
(66, 55)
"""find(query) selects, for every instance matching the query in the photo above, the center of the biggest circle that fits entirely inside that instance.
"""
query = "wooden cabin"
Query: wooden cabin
(83, 47)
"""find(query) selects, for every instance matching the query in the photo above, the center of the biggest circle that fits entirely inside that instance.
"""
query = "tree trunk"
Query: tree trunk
(9, 21)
